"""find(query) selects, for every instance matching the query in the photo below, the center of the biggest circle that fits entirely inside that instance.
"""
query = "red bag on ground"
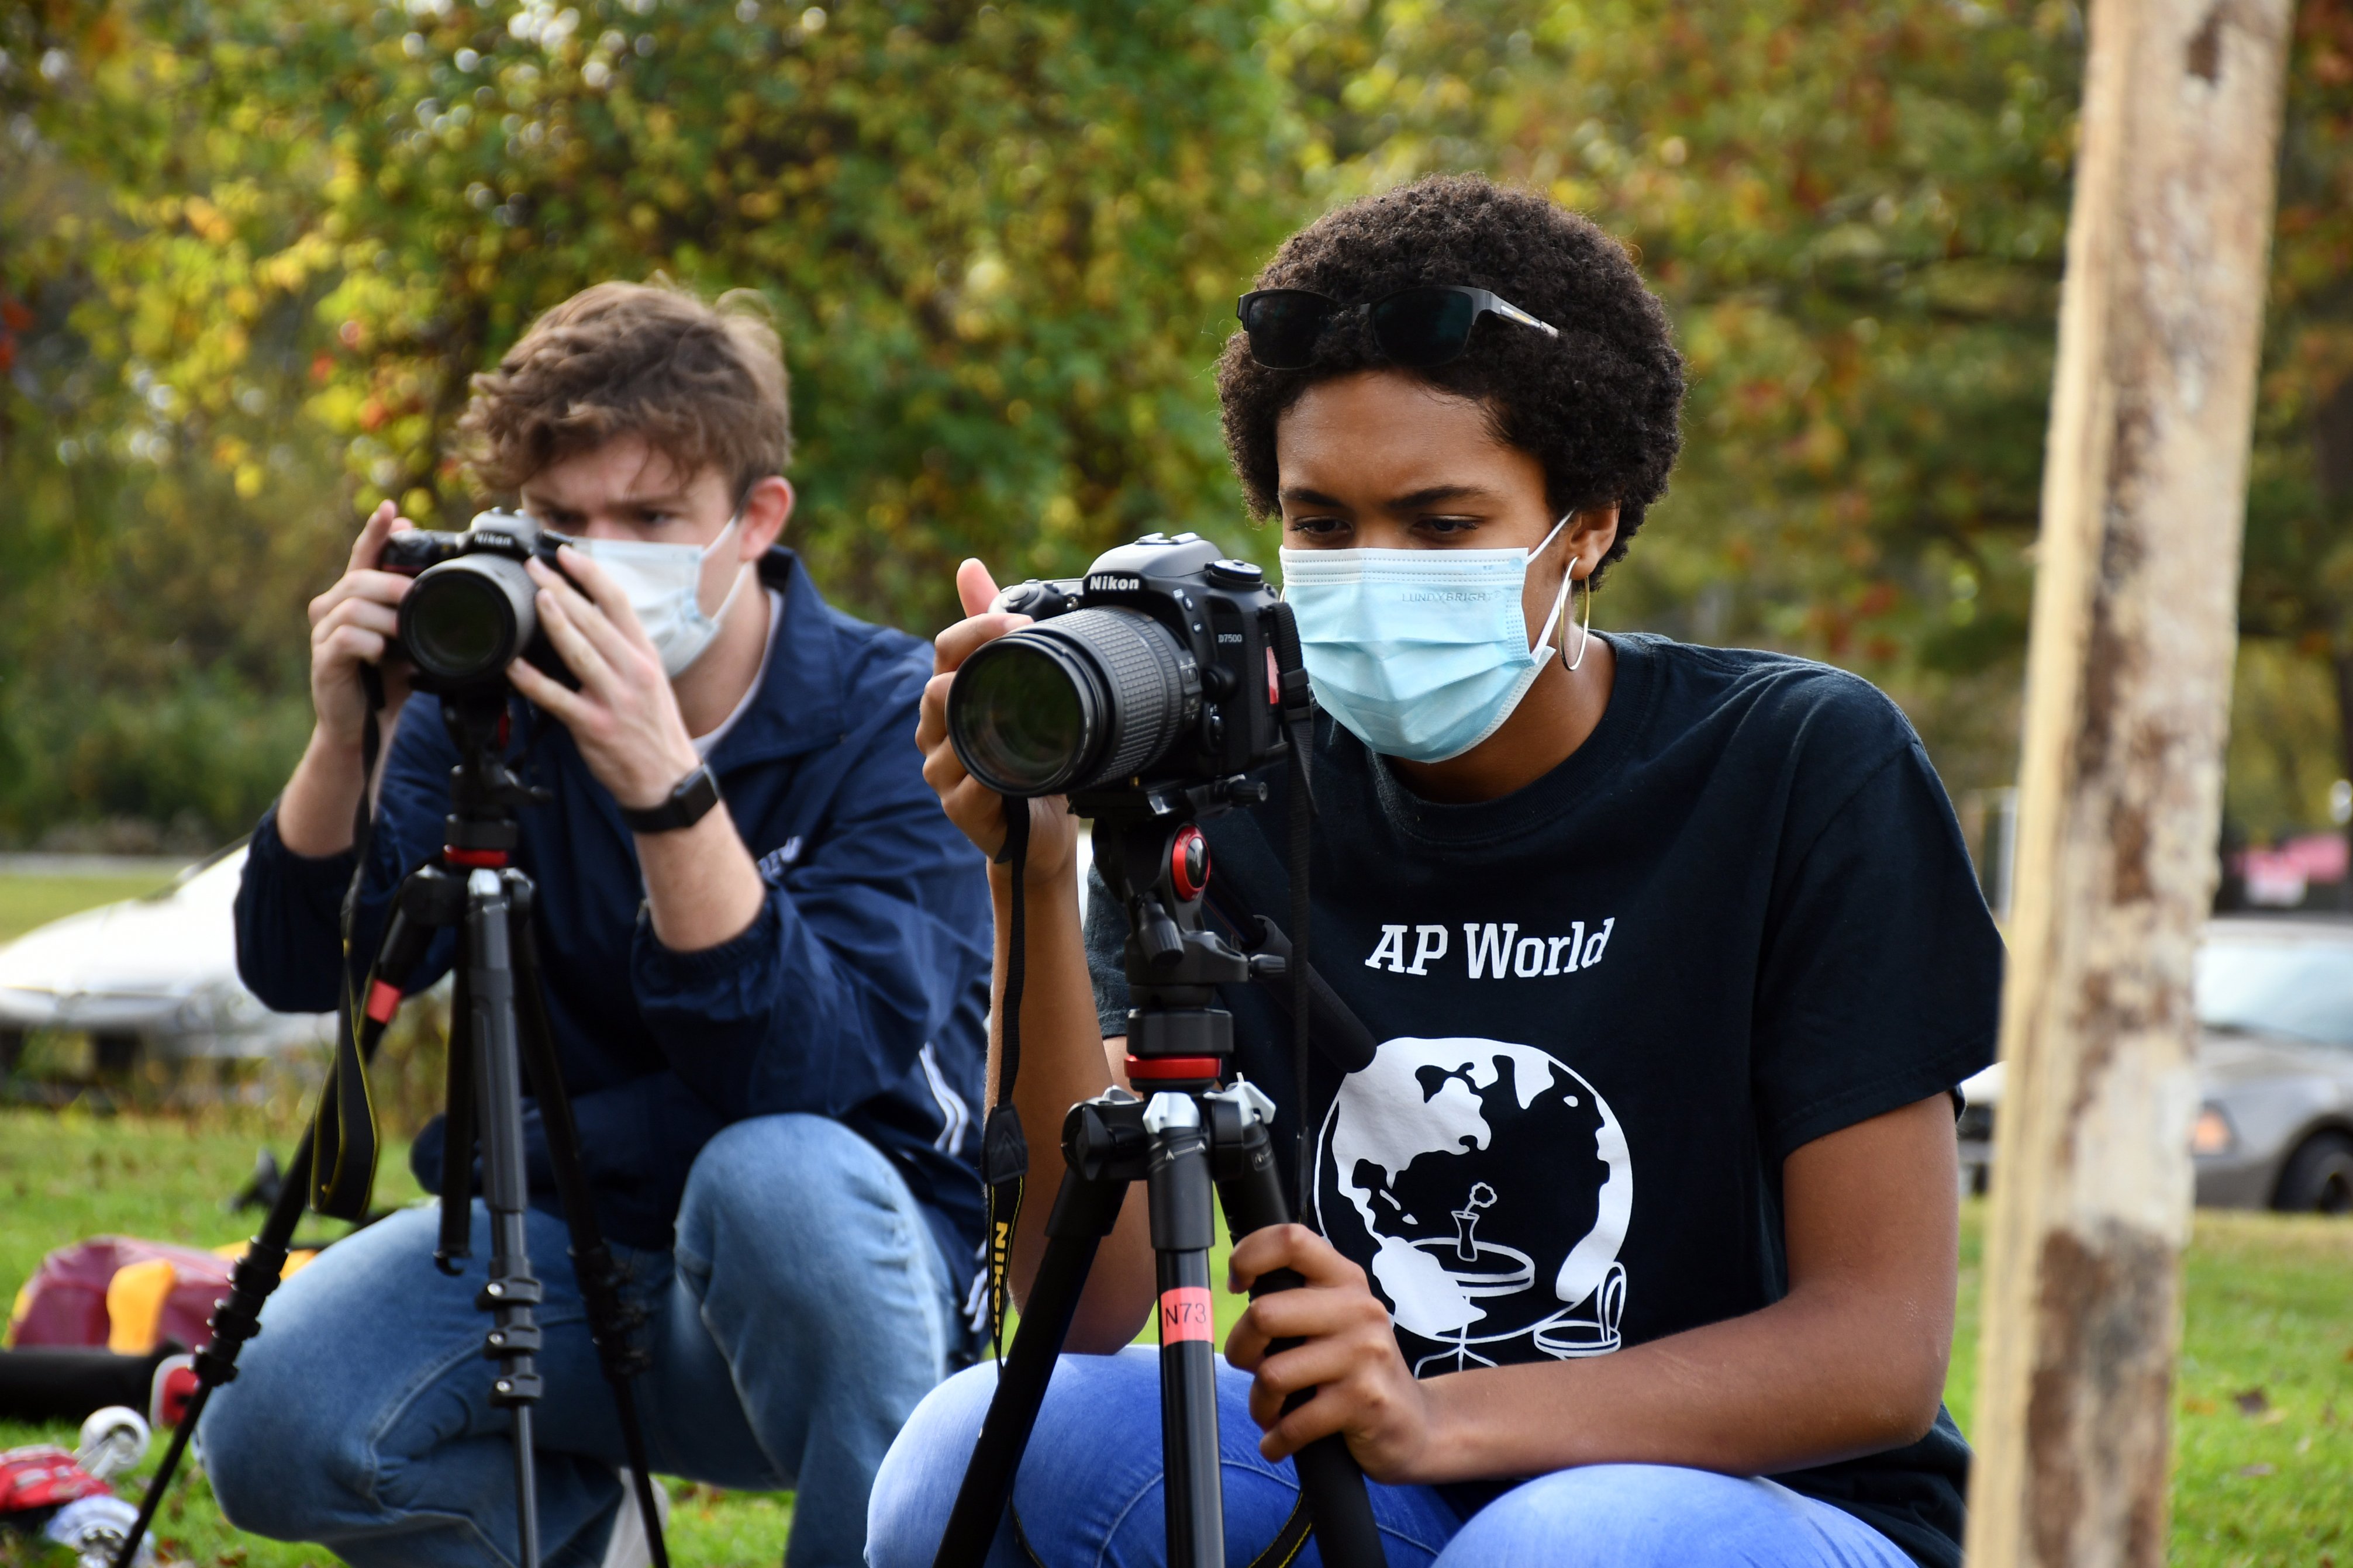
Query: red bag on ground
(167, 1294)
(44, 1477)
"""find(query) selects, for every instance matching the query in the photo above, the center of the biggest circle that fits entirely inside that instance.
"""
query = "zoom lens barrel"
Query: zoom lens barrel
(466, 620)
(1072, 702)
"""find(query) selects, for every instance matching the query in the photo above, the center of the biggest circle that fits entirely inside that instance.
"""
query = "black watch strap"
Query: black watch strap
(688, 803)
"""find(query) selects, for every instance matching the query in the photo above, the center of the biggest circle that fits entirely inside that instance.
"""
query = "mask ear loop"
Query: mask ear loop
(733, 588)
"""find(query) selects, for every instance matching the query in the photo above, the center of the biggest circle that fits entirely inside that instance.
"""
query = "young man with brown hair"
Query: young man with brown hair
(768, 1007)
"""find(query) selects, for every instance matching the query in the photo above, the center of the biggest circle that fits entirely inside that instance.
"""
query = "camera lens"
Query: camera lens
(1072, 702)
(1020, 717)
(465, 620)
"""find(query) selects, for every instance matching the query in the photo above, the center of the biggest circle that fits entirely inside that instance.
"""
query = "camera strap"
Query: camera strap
(1004, 1152)
(1299, 732)
(343, 1139)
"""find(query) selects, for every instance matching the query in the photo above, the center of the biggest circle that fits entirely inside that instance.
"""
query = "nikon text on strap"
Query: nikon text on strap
(1004, 1152)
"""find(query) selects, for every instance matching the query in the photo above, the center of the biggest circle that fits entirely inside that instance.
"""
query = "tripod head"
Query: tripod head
(485, 792)
(1155, 860)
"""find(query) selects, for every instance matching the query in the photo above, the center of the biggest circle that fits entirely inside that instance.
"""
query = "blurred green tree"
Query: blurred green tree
(999, 243)
(251, 252)
(2298, 577)
(1857, 213)
(1857, 216)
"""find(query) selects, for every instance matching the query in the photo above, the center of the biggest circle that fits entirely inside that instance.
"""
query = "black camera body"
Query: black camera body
(473, 609)
(1157, 668)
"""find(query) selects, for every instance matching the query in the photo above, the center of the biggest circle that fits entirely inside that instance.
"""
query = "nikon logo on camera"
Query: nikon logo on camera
(1109, 583)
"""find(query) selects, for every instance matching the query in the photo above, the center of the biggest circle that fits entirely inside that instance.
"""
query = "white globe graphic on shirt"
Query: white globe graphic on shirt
(1488, 1187)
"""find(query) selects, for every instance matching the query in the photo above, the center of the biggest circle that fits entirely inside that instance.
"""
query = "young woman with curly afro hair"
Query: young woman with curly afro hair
(1634, 1241)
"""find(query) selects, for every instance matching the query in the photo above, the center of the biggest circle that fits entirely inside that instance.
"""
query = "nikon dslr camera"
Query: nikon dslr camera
(473, 609)
(1157, 668)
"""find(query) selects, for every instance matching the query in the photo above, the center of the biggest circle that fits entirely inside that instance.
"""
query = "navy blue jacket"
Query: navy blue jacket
(859, 993)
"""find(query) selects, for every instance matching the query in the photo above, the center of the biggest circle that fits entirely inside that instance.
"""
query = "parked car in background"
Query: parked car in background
(2274, 1128)
(155, 975)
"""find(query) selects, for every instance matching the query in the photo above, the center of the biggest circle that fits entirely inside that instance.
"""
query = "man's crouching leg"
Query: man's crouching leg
(811, 1285)
(361, 1417)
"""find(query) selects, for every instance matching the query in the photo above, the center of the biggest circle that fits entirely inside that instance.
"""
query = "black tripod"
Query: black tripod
(499, 1033)
(1192, 1132)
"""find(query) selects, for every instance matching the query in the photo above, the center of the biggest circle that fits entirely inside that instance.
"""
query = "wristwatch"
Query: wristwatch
(687, 805)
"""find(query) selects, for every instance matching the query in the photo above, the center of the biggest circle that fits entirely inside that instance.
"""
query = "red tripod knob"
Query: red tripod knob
(1189, 863)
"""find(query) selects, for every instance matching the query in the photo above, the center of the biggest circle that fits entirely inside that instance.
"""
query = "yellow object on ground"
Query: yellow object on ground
(134, 1304)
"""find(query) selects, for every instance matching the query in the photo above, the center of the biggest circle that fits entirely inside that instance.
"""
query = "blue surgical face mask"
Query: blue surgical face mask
(1421, 654)
(664, 584)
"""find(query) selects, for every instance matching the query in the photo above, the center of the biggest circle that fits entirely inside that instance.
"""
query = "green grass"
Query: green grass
(29, 901)
(2264, 1456)
(2264, 1451)
(63, 1177)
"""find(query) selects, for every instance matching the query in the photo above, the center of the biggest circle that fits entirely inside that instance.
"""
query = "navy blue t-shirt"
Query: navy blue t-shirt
(1609, 1004)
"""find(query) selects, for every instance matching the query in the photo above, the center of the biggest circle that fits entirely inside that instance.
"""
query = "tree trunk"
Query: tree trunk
(2127, 695)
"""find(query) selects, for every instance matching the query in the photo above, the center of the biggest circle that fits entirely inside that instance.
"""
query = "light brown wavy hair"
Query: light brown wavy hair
(703, 385)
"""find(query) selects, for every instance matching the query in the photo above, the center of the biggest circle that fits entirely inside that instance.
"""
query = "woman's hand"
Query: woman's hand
(978, 811)
(1363, 1388)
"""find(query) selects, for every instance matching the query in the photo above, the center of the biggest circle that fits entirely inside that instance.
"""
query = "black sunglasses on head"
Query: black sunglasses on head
(1425, 325)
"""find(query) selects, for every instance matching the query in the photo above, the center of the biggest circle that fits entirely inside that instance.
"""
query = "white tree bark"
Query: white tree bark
(2129, 681)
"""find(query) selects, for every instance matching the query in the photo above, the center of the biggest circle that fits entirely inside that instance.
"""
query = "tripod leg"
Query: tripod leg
(1083, 1214)
(1329, 1476)
(237, 1317)
(457, 1132)
(1178, 1185)
(612, 1323)
(512, 1294)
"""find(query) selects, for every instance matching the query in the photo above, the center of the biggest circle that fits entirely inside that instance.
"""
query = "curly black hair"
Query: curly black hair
(1597, 405)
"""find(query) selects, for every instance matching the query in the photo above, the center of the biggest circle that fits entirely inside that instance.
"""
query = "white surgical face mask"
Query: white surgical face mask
(664, 584)
(1421, 654)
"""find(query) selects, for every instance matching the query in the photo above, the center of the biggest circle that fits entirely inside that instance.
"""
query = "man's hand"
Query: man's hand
(353, 624)
(1363, 1387)
(977, 810)
(624, 717)
(701, 887)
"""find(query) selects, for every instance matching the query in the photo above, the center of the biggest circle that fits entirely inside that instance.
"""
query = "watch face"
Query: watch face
(687, 805)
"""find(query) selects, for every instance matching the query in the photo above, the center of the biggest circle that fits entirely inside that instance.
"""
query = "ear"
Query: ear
(1591, 532)
(767, 507)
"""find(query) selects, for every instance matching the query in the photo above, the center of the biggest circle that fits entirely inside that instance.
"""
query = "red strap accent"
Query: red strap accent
(1184, 1315)
(384, 1001)
(1159, 1067)
(482, 859)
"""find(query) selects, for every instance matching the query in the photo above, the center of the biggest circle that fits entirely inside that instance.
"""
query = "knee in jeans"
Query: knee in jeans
(793, 1181)
(916, 1486)
(1611, 1516)
(268, 1460)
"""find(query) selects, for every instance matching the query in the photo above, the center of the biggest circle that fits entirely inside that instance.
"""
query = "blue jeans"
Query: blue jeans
(1088, 1495)
(804, 1314)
